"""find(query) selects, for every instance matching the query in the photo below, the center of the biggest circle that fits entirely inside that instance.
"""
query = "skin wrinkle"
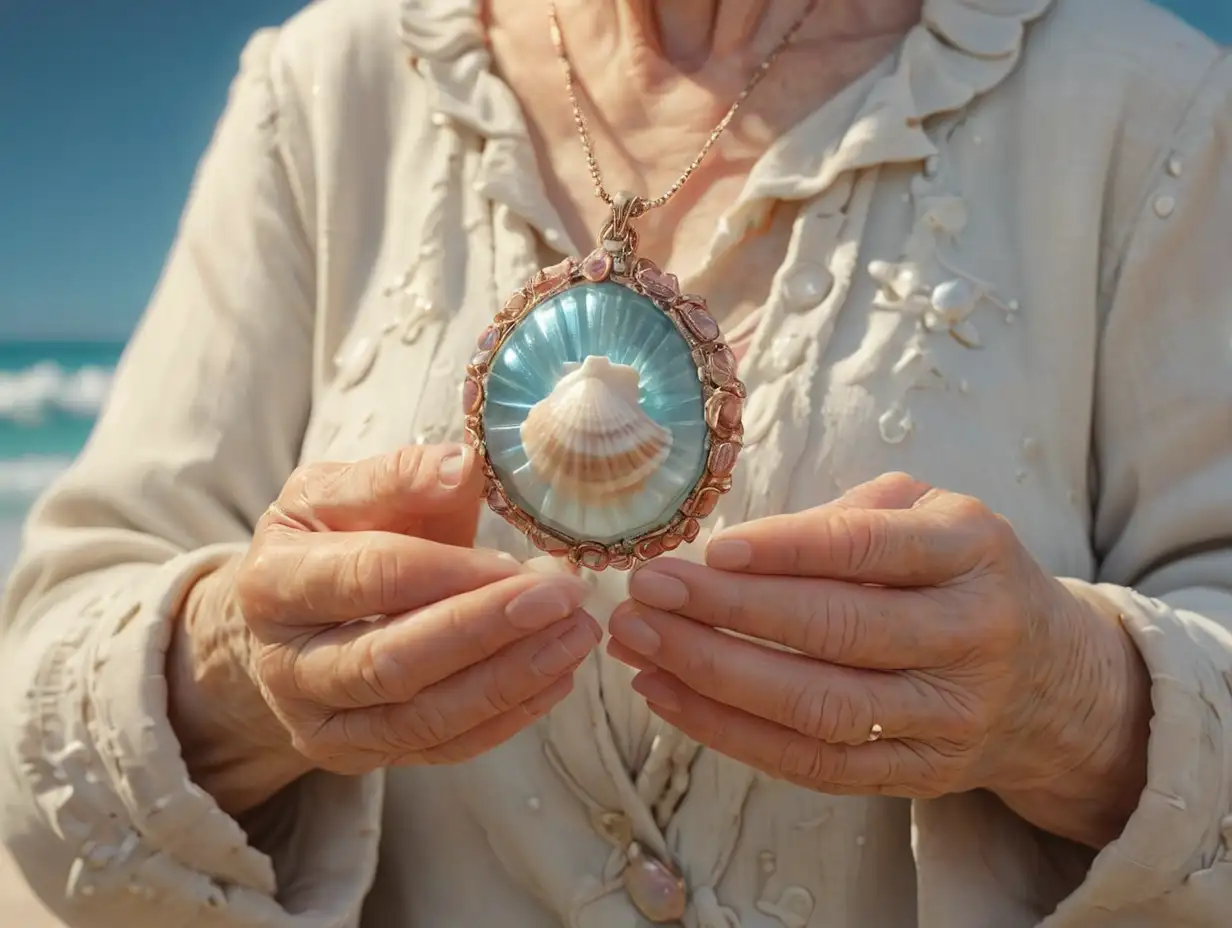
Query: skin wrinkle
(966, 527)
(630, 103)
(1053, 720)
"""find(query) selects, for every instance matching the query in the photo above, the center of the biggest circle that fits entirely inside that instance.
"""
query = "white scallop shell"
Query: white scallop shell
(590, 438)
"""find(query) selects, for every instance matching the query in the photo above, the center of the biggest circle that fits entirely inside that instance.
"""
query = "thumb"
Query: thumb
(392, 492)
(889, 491)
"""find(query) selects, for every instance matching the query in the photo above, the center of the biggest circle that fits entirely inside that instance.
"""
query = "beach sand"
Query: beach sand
(18, 907)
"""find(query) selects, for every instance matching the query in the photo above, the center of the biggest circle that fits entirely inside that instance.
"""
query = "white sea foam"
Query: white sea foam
(29, 395)
(10, 543)
(21, 480)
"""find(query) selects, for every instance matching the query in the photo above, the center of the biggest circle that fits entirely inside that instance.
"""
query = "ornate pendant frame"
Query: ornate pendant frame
(723, 396)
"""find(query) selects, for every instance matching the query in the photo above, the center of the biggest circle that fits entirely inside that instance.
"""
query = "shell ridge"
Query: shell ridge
(598, 461)
(590, 437)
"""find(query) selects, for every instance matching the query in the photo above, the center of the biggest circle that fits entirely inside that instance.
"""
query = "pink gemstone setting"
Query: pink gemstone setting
(649, 882)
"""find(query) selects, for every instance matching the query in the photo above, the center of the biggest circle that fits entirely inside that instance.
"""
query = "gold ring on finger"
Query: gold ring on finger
(874, 733)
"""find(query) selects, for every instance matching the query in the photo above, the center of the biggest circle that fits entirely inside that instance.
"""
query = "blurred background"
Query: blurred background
(105, 107)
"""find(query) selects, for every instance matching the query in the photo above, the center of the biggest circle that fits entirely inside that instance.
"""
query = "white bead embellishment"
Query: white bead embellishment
(793, 908)
(356, 362)
(422, 314)
(807, 286)
(655, 890)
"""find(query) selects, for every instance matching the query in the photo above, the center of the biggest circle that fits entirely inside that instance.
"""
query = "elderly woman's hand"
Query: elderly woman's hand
(373, 636)
(926, 653)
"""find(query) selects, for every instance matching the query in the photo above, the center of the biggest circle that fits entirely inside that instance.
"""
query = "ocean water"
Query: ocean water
(50, 395)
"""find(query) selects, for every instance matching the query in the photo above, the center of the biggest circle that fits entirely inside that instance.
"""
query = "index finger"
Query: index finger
(386, 492)
(840, 623)
(305, 579)
(922, 546)
(391, 662)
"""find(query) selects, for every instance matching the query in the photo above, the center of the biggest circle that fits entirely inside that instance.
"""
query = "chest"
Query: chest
(901, 329)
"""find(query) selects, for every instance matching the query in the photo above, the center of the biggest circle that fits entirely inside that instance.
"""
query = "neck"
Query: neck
(687, 35)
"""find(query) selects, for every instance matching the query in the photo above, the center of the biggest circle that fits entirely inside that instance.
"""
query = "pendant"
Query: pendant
(605, 406)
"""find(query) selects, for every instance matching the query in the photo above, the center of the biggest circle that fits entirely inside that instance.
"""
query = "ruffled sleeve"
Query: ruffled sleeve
(205, 422)
(1163, 524)
(1163, 533)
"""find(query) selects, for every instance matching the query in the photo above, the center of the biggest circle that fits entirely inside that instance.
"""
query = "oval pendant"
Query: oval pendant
(654, 888)
(607, 410)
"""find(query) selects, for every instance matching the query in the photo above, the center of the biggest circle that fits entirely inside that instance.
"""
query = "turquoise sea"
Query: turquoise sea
(50, 394)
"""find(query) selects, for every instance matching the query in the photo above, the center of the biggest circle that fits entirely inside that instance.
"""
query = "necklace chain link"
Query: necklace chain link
(628, 207)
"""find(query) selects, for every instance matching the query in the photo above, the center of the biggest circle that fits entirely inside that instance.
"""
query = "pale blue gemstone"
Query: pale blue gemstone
(597, 319)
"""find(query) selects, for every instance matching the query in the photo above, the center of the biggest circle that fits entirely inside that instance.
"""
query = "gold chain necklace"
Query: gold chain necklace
(603, 401)
(626, 204)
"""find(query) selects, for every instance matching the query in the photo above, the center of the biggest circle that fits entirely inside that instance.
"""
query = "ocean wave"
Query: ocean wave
(21, 481)
(30, 395)
(24, 478)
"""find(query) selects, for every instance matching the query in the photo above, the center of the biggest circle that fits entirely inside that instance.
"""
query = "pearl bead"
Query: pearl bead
(807, 286)
(955, 299)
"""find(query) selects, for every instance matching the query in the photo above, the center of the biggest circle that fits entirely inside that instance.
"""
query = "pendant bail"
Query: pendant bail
(619, 238)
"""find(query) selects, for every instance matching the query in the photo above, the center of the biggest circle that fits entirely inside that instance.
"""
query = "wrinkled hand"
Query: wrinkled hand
(377, 640)
(929, 653)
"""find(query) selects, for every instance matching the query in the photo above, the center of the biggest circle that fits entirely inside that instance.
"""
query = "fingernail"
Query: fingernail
(729, 554)
(654, 588)
(544, 604)
(654, 689)
(449, 471)
(631, 630)
(557, 656)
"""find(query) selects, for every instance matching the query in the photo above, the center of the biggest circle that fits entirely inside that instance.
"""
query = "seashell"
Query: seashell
(595, 366)
(589, 437)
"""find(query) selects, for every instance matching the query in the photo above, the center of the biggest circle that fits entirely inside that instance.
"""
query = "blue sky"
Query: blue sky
(105, 107)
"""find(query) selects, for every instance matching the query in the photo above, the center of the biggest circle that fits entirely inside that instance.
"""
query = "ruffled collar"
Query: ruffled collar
(960, 50)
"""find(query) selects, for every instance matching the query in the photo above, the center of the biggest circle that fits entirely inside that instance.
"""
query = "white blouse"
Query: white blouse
(1005, 269)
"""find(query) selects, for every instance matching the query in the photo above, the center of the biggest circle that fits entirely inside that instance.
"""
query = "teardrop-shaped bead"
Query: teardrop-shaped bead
(597, 266)
(654, 889)
(355, 364)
